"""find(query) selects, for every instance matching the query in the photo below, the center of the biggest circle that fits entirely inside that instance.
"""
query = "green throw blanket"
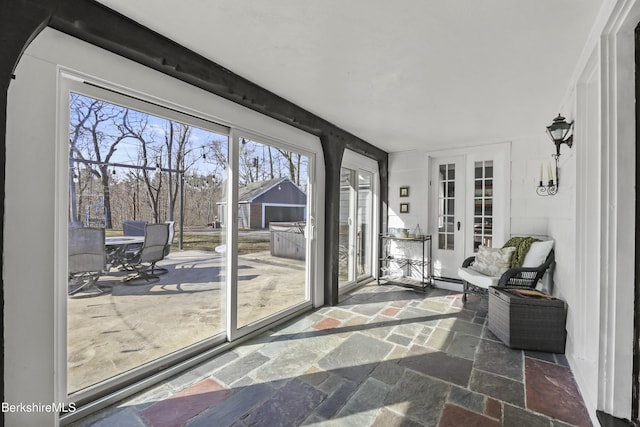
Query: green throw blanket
(522, 245)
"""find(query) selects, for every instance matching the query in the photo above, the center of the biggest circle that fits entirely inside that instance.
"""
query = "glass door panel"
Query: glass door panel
(346, 240)
(129, 169)
(356, 226)
(483, 204)
(272, 222)
(446, 206)
(365, 224)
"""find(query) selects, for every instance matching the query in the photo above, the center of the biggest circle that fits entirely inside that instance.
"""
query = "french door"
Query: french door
(447, 212)
(468, 208)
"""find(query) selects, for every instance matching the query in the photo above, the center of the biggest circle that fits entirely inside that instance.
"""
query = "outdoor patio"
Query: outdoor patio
(131, 325)
(385, 356)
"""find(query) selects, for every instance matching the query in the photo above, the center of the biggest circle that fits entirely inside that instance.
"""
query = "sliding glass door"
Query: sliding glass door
(236, 255)
(356, 221)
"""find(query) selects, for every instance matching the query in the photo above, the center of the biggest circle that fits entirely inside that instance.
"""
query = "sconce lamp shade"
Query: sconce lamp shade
(559, 129)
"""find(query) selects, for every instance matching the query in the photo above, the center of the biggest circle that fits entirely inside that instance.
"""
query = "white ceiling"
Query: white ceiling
(402, 75)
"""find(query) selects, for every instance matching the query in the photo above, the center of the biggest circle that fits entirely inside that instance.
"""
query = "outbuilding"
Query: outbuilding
(262, 202)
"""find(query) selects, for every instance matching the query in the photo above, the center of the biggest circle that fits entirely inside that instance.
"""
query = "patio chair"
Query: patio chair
(153, 250)
(154, 269)
(86, 259)
(478, 278)
(133, 227)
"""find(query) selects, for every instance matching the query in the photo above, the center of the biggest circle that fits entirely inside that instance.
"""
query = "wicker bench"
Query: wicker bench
(517, 277)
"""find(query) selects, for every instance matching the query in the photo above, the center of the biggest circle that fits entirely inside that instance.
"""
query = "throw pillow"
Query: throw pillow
(493, 261)
(537, 253)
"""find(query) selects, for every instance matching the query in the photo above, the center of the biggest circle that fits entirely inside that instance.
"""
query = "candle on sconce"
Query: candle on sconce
(549, 172)
(540, 173)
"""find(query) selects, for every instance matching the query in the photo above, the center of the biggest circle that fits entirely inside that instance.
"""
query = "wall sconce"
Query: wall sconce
(558, 132)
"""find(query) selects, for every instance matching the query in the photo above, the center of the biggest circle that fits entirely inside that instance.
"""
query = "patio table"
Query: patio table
(117, 246)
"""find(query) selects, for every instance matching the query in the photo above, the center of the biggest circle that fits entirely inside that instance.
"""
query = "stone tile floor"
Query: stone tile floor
(385, 356)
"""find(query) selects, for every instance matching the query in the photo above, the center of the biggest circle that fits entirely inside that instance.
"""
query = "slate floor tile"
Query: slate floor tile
(463, 345)
(327, 323)
(499, 359)
(185, 405)
(440, 339)
(399, 339)
(230, 410)
(457, 416)
(514, 416)
(498, 387)
(421, 316)
(387, 418)
(240, 367)
(388, 371)
(356, 357)
(418, 397)
(121, 418)
(467, 399)
(551, 390)
(285, 366)
(336, 400)
(364, 403)
(391, 311)
(289, 406)
(438, 364)
(493, 408)
(457, 324)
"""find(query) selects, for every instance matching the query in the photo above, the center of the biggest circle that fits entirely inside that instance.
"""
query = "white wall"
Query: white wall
(408, 169)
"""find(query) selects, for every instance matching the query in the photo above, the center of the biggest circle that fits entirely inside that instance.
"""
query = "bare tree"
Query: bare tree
(95, 129)
(150, 159)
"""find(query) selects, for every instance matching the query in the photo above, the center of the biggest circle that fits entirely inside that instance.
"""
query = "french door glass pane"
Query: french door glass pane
(446, 206)
(129, 169)
(272, 237)
(483, 204)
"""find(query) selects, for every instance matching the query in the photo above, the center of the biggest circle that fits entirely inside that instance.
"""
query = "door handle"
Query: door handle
(458, 225)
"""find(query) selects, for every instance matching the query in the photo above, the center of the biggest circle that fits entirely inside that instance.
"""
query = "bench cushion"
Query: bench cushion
(476, 278)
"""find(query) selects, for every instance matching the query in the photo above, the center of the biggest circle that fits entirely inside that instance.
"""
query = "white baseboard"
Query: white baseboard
(450, 286)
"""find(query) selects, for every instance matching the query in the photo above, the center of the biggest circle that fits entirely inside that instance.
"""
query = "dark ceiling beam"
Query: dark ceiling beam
(101, 26)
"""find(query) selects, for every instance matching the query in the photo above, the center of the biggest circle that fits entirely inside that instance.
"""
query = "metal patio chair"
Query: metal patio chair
(86, 259)
(143, 262)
